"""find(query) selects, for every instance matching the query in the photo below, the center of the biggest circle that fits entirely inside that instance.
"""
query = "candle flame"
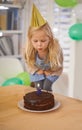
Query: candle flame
(38, 85)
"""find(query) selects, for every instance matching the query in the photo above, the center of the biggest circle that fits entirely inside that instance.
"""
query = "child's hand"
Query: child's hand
(40, 72)
(47, 72)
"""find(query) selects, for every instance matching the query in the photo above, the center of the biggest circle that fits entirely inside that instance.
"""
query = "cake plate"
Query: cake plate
(21, 106)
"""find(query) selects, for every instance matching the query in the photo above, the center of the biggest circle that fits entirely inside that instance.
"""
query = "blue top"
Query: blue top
(40, 63)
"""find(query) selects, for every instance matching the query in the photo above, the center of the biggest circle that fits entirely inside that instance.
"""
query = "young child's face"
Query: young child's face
(40, 41)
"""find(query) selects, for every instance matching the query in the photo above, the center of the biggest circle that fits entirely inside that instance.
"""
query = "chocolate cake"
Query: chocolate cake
(39, 102)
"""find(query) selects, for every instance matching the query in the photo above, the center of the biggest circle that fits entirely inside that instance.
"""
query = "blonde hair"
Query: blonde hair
(53, 48)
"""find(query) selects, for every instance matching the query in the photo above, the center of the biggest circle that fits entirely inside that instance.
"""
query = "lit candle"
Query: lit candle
(38, 89)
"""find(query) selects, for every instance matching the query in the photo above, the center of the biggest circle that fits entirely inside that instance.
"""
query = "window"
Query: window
(63, 19)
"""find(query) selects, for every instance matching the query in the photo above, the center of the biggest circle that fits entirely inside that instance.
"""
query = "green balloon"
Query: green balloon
(66, 3)
(75, 31)
(25, 77)
(12, 81)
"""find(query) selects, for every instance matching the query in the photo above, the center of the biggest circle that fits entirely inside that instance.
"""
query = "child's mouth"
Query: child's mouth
(40, 49)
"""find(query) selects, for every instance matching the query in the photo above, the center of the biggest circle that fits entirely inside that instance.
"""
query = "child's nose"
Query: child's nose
(39, 43)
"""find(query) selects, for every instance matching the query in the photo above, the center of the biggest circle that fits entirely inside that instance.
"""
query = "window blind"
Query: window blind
(63, 19)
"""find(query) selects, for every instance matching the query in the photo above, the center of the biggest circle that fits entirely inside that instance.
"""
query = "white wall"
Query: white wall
(61, 86)
(77, 83)
(71, 69)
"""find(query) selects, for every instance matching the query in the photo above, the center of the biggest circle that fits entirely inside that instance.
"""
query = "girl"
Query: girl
(43, 56)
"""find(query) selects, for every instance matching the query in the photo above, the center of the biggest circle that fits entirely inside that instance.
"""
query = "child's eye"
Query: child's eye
(42, 40)
(35, 41)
